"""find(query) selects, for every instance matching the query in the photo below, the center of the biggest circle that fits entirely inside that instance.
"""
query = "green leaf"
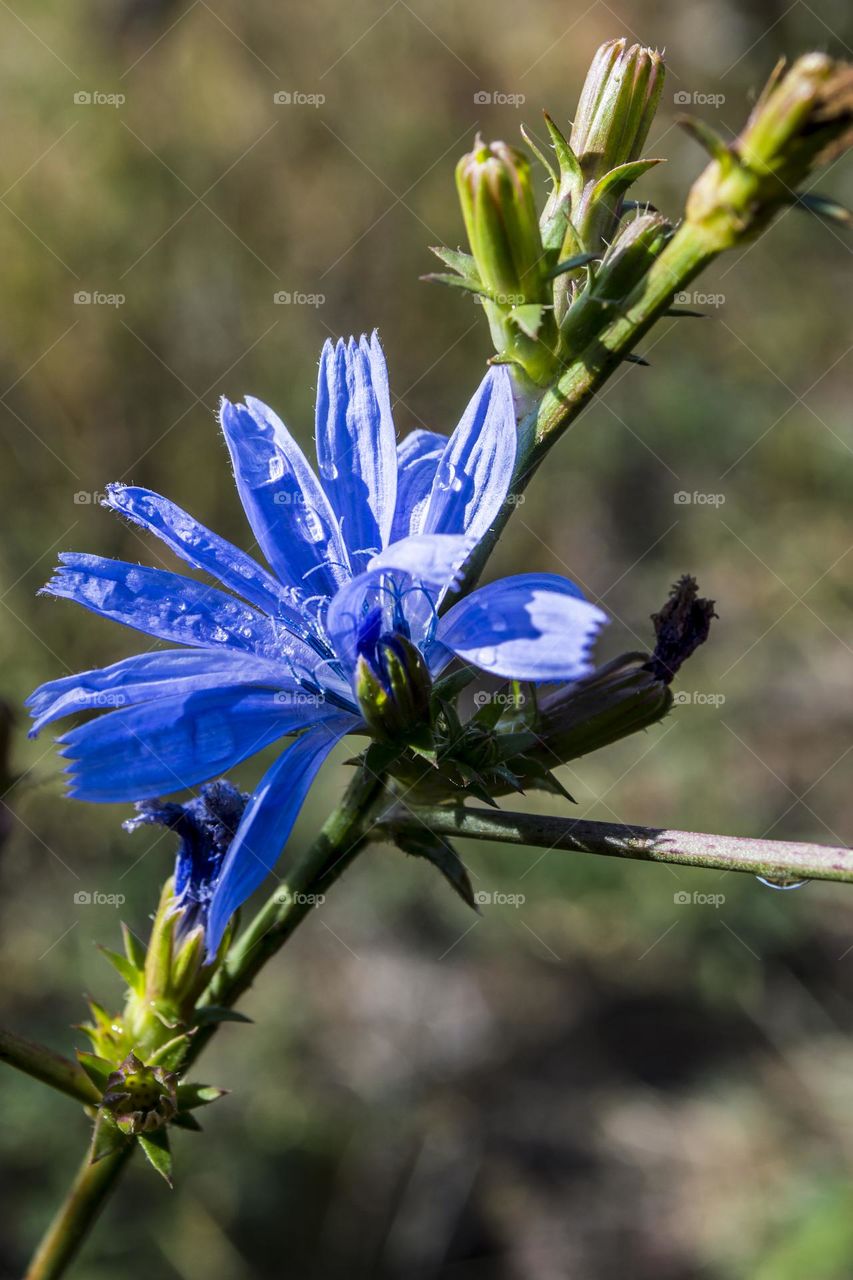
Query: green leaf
(463, 263)
(571, 264)
(529, 318)
(170, 1055)
(570, 166)
(129, 972)
(97, 1069)
(707, 138)
(621, 178)
(442, 855)
(449, 687)
(826, 207)
(185, 1120)
(543, 160)
(191, 1096)
(156, 1148)
(106, 1138)
(209, 1014)
(457, 282)
(133, 948)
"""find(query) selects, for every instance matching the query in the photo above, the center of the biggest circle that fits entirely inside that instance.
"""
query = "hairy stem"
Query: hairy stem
(49, 1067)
(773, 859)
(78, 1212)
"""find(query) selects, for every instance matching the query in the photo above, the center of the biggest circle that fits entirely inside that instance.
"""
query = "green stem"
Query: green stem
(339, 842)
(49, 1067)
(773, 859)
(81, 1207)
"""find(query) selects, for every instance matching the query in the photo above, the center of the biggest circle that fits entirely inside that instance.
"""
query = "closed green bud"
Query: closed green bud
(802, 120)
(394, 689)
(496, 193)
(617, 106)
(141, 1099)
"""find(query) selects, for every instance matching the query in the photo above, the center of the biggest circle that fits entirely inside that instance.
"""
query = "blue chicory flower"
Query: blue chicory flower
(362, 550)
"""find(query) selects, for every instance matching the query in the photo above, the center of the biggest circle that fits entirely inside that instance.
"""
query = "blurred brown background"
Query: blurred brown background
(603, 1081)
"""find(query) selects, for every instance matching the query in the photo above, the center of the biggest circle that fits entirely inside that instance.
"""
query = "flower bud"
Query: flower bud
(498, 206)
(394, 687)
(141, 1099)
(617, 105)
(802, 120)
(496, 194)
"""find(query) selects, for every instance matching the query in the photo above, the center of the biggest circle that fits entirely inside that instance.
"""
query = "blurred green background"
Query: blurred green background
(600, 1082)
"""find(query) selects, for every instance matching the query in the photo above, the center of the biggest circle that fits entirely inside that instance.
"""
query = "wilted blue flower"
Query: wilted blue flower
(206, 825)
(361, 553)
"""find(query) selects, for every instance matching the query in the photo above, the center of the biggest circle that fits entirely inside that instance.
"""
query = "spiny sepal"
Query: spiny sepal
(139, 1097)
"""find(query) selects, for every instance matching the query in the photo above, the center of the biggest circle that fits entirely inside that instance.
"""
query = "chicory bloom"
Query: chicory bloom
(363, 552)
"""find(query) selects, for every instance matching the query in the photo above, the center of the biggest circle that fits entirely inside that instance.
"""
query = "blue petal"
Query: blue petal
(356, 450)
(475, 471)
(171, 607)
(268, 821)
(205, 550)
(147, 676)
(535, 626)
(405, 581)
(418, 457)
(284, 501)
(172, 743)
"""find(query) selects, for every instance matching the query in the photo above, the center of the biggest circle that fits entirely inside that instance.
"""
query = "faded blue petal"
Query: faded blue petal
(418, 457)
(268, 821)
(284, 501)
(356, 450)
(147, 676)
(205, 550)
(475, 471)
(159, 747)
(535, 626)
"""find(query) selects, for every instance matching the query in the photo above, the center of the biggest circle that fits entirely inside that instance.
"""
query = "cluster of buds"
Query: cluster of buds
(529, 270)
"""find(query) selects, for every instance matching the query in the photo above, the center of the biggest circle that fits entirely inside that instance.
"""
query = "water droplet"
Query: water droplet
(782, 883)
(275, 467)
(219, 634)
(486, 657)
(134, 581)
(328, 470)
